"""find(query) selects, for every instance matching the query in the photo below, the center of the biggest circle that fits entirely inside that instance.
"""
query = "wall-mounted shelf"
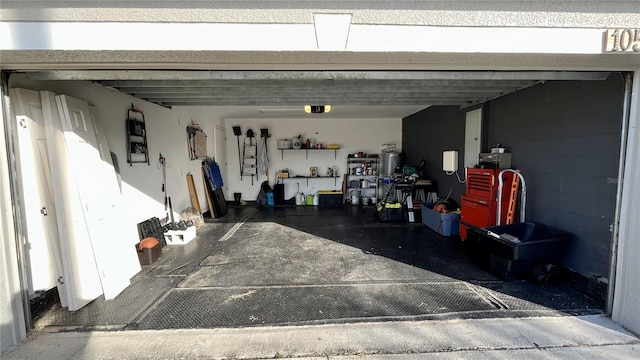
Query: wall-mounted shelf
(335, 178)
(335, 152)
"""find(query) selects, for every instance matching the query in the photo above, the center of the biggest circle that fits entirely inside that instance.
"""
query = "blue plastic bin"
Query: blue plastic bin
(443, 224)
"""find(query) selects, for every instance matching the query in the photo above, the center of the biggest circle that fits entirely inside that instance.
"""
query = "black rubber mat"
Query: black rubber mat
(524, 295)
(284, 266)
(122, 310)
(210, 308)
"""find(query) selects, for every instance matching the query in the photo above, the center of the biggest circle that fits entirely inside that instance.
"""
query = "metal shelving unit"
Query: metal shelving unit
(365, 180)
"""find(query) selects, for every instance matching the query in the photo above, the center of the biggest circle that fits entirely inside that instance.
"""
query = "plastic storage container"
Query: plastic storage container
(149, 256)
(443, 224)
(391, 212)
(535, 244)
(329, 197)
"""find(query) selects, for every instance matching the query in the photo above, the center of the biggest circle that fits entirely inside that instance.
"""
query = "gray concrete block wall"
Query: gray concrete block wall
(565, 138)
(426, 134)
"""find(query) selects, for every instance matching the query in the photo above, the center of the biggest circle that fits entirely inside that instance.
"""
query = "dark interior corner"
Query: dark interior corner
(426, 134)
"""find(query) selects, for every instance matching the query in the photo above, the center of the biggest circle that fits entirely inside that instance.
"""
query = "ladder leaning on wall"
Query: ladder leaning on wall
(250, 156)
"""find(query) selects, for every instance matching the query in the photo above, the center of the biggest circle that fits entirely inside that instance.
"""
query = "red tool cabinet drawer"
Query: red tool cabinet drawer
(481, 183)
(475, 212)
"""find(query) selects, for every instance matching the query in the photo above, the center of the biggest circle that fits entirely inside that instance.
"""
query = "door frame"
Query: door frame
(12, 232)
(629, 232)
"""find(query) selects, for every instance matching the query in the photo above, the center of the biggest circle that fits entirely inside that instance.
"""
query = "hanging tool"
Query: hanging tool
(162, 163)
(237, 132)
(263, 158)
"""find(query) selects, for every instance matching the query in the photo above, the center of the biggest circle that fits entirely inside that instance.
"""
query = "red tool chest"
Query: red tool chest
(479, 204)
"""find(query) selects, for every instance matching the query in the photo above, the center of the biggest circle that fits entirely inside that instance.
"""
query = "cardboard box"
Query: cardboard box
(149, 256)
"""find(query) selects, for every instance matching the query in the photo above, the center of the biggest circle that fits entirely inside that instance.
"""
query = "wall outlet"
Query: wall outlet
(450, 160)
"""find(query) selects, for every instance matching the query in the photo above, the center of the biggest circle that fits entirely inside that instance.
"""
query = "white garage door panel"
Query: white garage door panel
(80, 273)
(42, 246)
(99, 194)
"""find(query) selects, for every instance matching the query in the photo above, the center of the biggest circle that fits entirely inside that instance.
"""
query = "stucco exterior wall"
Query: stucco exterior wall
(535, 13)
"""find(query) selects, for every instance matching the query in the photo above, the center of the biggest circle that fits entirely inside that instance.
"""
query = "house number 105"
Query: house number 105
(622, 40)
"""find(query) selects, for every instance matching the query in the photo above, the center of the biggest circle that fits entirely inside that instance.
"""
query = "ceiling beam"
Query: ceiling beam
(317, 90)
(124, 84)
(312, 75)
(292, 94)
(296, 102)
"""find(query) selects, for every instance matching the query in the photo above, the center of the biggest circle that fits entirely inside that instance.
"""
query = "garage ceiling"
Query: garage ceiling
(281, 91)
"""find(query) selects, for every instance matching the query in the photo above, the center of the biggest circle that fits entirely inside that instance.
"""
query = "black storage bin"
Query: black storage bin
(538, 244)
(329, 197)
(278, 194)
(152, 228)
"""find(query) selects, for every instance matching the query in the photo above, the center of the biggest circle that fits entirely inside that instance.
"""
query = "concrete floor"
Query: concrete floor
(279, 273)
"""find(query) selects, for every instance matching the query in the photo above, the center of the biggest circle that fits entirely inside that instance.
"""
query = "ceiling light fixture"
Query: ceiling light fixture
(317, 109)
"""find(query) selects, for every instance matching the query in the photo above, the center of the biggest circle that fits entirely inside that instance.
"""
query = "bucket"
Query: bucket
(355, 197)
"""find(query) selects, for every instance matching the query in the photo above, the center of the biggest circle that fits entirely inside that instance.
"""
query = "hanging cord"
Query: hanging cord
(163, 164)
(457, 175)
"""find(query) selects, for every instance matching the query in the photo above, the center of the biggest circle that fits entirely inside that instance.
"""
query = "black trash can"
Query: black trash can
(278, 194)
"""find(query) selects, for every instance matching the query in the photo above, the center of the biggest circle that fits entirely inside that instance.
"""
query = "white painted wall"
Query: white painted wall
(166, 134)
(366, 135)
(626, 303)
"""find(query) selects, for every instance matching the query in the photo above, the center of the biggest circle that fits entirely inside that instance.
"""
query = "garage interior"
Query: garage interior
(305, 264)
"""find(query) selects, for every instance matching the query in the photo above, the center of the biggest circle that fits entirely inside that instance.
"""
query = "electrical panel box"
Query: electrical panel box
(450, 160)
